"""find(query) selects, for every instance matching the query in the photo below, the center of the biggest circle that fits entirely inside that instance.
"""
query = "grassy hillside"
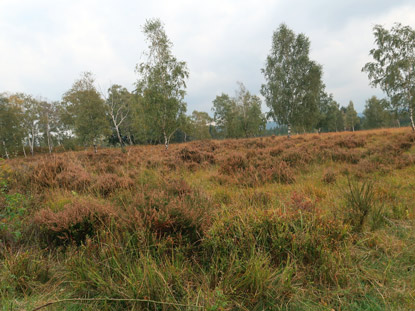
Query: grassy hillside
(315, 222)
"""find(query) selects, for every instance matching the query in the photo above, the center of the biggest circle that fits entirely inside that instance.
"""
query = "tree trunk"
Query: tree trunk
(119, 138)
(5, 149)
(166, 140)
(95, 148)
(411, 116)
(289, 130)
(50, 147)
(31, 145)
(399, 123)
(24, 151)
(353, 128)
(129, 139)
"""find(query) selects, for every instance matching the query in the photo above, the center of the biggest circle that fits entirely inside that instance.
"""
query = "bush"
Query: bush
(59, 171)
(77, 220)
(233, 165)
(329, 177)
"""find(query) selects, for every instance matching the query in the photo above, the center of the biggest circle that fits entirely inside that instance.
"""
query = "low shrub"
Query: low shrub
(58, 171)
(81, 218)
(233, 164)
(107, 183)
(329, 176)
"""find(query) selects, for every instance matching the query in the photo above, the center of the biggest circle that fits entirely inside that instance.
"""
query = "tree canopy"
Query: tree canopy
(161, 83)
(293, 81)
(86, 111)
(393, 65)
(238, 116)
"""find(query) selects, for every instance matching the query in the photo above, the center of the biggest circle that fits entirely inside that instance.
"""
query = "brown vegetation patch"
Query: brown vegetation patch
(77, 220)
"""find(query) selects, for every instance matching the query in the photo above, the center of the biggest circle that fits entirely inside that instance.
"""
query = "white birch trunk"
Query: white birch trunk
(166, 140)
(5, 149)
(411, 116)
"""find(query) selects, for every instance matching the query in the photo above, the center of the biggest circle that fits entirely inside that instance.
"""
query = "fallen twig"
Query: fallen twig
(114, 299)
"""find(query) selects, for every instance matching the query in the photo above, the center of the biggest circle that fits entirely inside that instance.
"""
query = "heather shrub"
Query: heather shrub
(295, 158)
(329, 176)
(275, 152)
(176, 222)
(106, 184)
(177, 187)
(188, 155)
(195, 156)
(81, 218)
(367, 166)
(281, 172)
(58, 171)
(179, 214)
(348, 156)
(350, 142)
(233, 164)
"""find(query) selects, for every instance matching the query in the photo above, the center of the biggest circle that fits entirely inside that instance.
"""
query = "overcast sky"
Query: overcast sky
(46, 44)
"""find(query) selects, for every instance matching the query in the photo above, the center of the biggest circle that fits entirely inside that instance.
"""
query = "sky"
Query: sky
(46, 44)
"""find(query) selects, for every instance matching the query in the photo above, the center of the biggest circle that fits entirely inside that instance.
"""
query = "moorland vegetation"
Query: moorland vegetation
(314, 222)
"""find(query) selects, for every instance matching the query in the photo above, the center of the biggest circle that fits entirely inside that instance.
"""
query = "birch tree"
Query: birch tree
(30, 121)
(161, 83)
(201, 122)
(351, 118)
(11, 130)
(293, 81)
(118, 107)
(252, 121)
(86, 111)
(393, 68)
(49, 123)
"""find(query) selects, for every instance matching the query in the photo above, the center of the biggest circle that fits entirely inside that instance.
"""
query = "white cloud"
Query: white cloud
(45, 44)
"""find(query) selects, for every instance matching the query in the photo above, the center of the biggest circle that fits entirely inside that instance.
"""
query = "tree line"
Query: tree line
(155, 111)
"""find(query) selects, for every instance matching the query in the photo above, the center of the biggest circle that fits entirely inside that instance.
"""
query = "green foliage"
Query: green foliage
(12, 212)
(225, 113)
(350, 117)
(119, 103)
(331, 118)
(392, 68)
(85, 111)
(377, 113)
(22, 273)
(201, 124)
(161, 83)
(11, 132)
(293, 81)
(360, 200)
(240, 116)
